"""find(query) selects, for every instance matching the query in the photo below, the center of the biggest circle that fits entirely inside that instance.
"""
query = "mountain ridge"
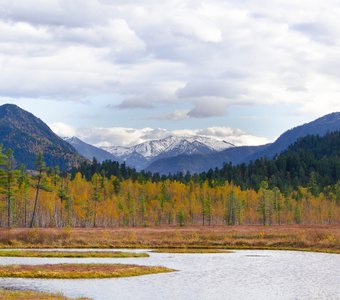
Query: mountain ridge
(89, 151)
(320, 126)
(28, 135)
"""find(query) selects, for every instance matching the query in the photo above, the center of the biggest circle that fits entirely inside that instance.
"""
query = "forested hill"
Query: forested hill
(313, 161)
(27, 135)
(320, 126)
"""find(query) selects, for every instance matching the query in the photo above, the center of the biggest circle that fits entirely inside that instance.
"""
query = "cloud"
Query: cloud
(133, 103)
(198, 27)
(316, 31)
(177, 115)
(63, 130)
(120, 136)
(208, 107)
(207, 55)
(116, 34)
(211, 88)
(231, 135)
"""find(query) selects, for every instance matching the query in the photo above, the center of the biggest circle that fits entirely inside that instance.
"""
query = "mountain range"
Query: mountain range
(140, 156)
(237, 155)
(28, 135)
(198, 154)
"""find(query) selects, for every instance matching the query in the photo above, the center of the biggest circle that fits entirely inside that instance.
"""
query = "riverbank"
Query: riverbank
(320, 238)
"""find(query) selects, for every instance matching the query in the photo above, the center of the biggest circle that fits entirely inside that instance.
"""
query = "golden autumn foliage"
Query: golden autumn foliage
(101, 203)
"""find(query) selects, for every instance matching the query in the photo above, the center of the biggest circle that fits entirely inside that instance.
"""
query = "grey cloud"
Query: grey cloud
(297, 89)
(177, 115)
(211, 88)
(147, 96)
(55, 12)
(237, 73)
(133, 103)
(316, 31)
(208, 108)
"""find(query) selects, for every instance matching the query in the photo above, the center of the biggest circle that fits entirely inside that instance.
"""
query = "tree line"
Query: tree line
(300, 186)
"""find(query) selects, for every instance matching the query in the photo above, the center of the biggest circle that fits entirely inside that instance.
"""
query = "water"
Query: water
(244, 274)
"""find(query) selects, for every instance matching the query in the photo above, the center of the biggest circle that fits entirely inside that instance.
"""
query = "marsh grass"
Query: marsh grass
(30, 295)
(78, 271)
(71, 254)
(322, 238)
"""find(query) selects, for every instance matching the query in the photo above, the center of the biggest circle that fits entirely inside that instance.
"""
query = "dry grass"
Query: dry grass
(324, 238)
(30, 295)
(71, 254)
(78, 271)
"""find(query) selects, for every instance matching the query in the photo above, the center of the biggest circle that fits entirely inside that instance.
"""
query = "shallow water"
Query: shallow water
(244, 274)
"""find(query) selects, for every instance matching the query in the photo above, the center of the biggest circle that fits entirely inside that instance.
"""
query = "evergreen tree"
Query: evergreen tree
(8, 179)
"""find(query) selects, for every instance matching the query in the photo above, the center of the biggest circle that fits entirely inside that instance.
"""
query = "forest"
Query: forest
(299, 186)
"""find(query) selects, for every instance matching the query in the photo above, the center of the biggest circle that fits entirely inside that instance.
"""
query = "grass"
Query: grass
(71, 254)
(190, 250)
(78, 271)
(322, 238)
(30, 295)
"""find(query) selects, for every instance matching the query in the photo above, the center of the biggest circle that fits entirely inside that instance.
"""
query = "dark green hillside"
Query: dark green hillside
(313, 162)
(27, 135)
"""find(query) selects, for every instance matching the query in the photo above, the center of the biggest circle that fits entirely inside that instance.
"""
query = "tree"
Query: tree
(64, 196)
(8, 181)
(263, 201)
(96, 187)
(277, 205)
(23, 187)
(231, 207)
(181, 218)
(41, 183)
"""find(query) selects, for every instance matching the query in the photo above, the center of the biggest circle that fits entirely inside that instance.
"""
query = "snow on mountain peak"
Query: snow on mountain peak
(176, 144)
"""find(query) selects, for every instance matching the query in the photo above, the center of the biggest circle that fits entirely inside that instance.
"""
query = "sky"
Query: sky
(122, 72)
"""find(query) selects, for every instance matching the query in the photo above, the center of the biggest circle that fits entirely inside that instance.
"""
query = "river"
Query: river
(243, 274)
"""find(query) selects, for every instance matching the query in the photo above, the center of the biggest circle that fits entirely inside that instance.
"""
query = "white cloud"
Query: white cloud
(63, 130)
(198, 27)
(120, 136)
(154, 53)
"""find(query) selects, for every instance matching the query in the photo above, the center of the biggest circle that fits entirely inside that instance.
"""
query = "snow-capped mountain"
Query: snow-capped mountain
(142, 154)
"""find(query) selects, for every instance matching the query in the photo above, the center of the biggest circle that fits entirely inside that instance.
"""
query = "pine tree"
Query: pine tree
(8, 178)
